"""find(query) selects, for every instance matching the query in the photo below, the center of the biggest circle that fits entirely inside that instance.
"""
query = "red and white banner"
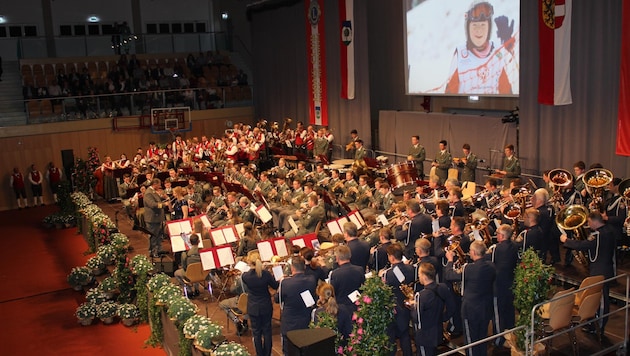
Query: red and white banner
(554, 34)
(346, 41)
(316, 57)
(623, 115)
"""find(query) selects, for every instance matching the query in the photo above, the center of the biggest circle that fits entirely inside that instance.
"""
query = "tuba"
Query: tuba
(596, 180)
(624, 190)
(573, 218)
(458, 265)
(559, 180)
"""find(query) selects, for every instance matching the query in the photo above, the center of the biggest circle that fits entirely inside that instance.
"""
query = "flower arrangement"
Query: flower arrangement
(96, 265)
(119, 241)
(79, 276)
(141, 267)
(181, 308)
(95, 296)
(165, 294)
(107, 253)
(206, 336)
(140, 264)
(374, 314)
(86, 311)
(158, 281)
(128, 311)
(108, 285)
(124, 277)
(80, 200)
(194, 324)
(231, 349)
(532, 284)
(64, 200)
(106, 310)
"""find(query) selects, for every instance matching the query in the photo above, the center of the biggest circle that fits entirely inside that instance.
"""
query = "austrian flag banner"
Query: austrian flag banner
(623, 114)
(346, 19)
(554, 35)
(316, 63)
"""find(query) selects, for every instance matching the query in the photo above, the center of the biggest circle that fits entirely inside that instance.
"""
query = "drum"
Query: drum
(402, 176)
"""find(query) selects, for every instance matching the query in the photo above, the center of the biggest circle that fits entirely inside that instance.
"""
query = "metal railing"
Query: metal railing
(66, 108)
(532, 333)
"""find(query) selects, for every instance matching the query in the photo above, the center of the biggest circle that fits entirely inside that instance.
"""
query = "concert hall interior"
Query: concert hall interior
(282, 148)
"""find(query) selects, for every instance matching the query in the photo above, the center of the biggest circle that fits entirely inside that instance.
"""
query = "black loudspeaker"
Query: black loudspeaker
(311, 342)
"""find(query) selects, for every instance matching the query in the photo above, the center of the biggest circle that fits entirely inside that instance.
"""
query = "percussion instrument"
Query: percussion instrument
(343, 162)
(402, 176)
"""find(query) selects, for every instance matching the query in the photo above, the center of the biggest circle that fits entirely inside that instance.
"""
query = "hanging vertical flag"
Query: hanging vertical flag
(346, 19)
(623, 114)
(316, 54)
(554, 35)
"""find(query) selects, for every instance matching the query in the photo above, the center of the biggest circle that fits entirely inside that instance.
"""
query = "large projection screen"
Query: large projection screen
(462, 47)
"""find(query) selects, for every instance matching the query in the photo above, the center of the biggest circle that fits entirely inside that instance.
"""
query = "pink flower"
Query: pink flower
(340, 350)
(354, 316)
(349, 348)
(360, 331)
(360, 321)
(367, 299)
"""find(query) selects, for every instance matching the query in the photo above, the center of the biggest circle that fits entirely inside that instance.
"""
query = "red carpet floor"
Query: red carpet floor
(37, 305)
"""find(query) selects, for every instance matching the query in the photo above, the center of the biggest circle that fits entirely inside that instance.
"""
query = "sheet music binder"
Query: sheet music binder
(216, 257)
(304, 240)
(272, 247)
(224, 235)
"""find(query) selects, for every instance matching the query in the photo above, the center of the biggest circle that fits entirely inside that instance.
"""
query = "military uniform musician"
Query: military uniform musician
(511, 165)
(154, 215)
(417, 154)
(398, 274)
(477, 280)
(442, 162)
(469, 164)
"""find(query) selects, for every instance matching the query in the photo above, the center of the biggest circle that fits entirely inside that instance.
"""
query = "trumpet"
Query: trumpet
(454, 246)
(409, 293)
(350, 146)
(624, 189)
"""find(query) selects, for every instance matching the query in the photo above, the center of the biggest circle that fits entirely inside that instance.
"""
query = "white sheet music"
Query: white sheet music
(334, 227)
(357, 219)
(281, 247)
(354, 296)
(399, 275)
(316, 245)
(294, 226)
(435, 225)
(205, 221)
(265, 250)
(207, 260)
(307, 298)
(299, 242)
(242, 266)
(264, 214)
(229, 233)
(217, 237)
(477, 235)
(278, 273)
(382, 219)
(178, 244)
(225, 255)
(240, 229)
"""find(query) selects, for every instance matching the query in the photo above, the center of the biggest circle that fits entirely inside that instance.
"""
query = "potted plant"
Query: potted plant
(107, 253)
(140, 264)
(158, 281)
(181, 308)
(106, 311)
(119, 241)
(108, 287)
(194, 324)
(96, 265)
(231, 349)
(128, 314)
(68, 219)
(141, 267)
(48, 221)
(375, 312)
(79, 277)
(165, 294)
(532, 284)
(95, 296)
(85, 313)
(208, 337)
